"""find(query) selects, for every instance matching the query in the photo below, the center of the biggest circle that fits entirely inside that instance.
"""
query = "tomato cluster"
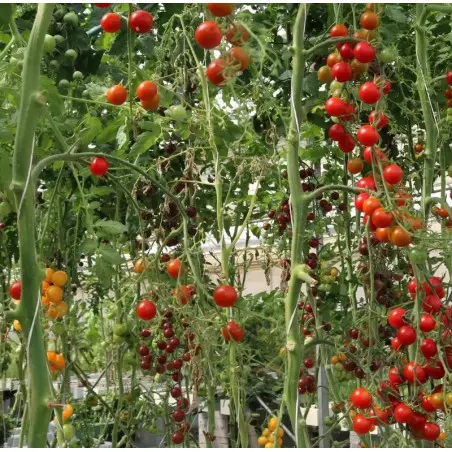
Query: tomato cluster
(139, 21)
(209, 35)
(52, 294)
(271, 434)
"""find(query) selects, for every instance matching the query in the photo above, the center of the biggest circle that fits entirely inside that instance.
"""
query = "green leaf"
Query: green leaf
(6, 12)
(93, 127)
(5, 170)
(88, 246)
(104, 271)
(313, 153)
(121, 137)
(53, 96)
(110, 254)
(110, 227)
(396, 13)
(146, 140)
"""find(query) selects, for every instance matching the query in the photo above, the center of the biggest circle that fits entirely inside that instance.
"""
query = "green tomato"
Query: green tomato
(388, 55)
(77, 75)
(120, 329)
(82, 305)
(68, 431)
(336, 85)
(71, 19)
(70, 55)
(59, 39)
(177, 112)
(418, 255)
(328, 421)
(131, 359)
(49, 44)
(58, 328)
(64, 84)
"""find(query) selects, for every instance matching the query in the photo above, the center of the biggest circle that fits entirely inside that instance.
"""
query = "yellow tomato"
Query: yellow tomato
(449, 399)
(54, 294)
(17, 326)
(269, 445)
(334, 272)
(442, 436)
(59, 278)
(437, 400)
(280, 432)
(68, 411)
(266, 432)
(273, 423)
(262, 440)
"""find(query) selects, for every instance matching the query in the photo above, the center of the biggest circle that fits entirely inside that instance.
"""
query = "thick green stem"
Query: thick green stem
(294, 341)
(40, 388)
(431, 131)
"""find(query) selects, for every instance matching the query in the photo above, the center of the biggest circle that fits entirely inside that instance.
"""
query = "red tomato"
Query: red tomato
(146, 90)
(342, 72)
(346, 144)
(369, 93)
(386, 84)
(366, 220)
(393, 174)
(427, 323)
(406, 335)
(395, 377)
(431, 304)
(369, 20)
(208, 35)
(183, 294)
(395, 343)
(117, 95)
(102, 5)
(449, 78)
(381, 218)
(111, 22)
(367, 135)
(361, 398)
(359, 201)
(371, 154)
(141, 21)
(238, 58)
(413, 371)
(151, 104)
(426, 403)
(146, 310)
(361, 425)
(364, 52)
(366, 182)
(15, 290)
(378, 119)
(346, 51)
(417, 421)
(355, 166)
(435, 370)
(221, 9)
(338, 31)
(336, 132)
(237, 34)
(429, 348)
(396, 318)
(225, 296)
(235, 331)
(371, 204)
(430, 431)
(403, 413)
(214, 72)
(175, 269)
(99, 166)
(177, 438)
(335, 106)
(434, 286)
(382, 234)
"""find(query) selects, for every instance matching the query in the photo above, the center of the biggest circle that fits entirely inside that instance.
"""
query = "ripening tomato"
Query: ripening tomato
(225, 296)
(361, 398)
(346, 51)
(146, 90)
(141, 21)
(370, 205)
(378, 119)
(324, 74)
(369, 93)
(366, 182)
(237, 57)
(336, 132)
(332, 59)
(381, 218)
(339, 30)
(361, 424)
(151, 104)
(427, 323)
(214, 72)
(220, 9)
(413, 371)
(393, 174)
(99, 166)
(396, 317)
(369, 20)
(367, 135)
(15, 290)
(117, 95)
(146, 310)
(342, 72)
(346, 144)
(428, 347)
(364, 52)
(68, 411)
(355, 166)
(335, 106)
(111, 22)
(382, 234)
(359, 201)
(208, 35)
(183, 294)
(406, 335)
(175, 268)
(431, 431)
(237, 34)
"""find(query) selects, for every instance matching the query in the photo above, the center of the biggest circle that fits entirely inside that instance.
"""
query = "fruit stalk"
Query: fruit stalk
(40, 388)
(299, 201)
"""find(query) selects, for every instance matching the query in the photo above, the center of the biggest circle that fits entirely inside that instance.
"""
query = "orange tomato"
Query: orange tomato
(49, 273)
(68, 411)
(399, 236)
(437, 400)
(45, 301)
(443, 213)
(59, 278)
(51, 355)
(273, 423)
(54, 294)
(57, 311)
(45, 285)
(59, 361)
(141, 265)
(382, 234)
(262, 440)
(334, 360)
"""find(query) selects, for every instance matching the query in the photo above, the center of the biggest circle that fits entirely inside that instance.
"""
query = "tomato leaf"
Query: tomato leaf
(146, 140)
(396, 13)
(110, 254)
(104, 271)
(92, 128)
(88, 246)
(110, 227)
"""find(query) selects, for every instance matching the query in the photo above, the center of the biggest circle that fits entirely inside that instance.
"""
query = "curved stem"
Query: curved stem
(40, 389)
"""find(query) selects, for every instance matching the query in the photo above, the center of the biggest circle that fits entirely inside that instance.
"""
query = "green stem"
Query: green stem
(300, 203)
(6, 49)
(40, 388)
(423, 80)
(15, 32)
